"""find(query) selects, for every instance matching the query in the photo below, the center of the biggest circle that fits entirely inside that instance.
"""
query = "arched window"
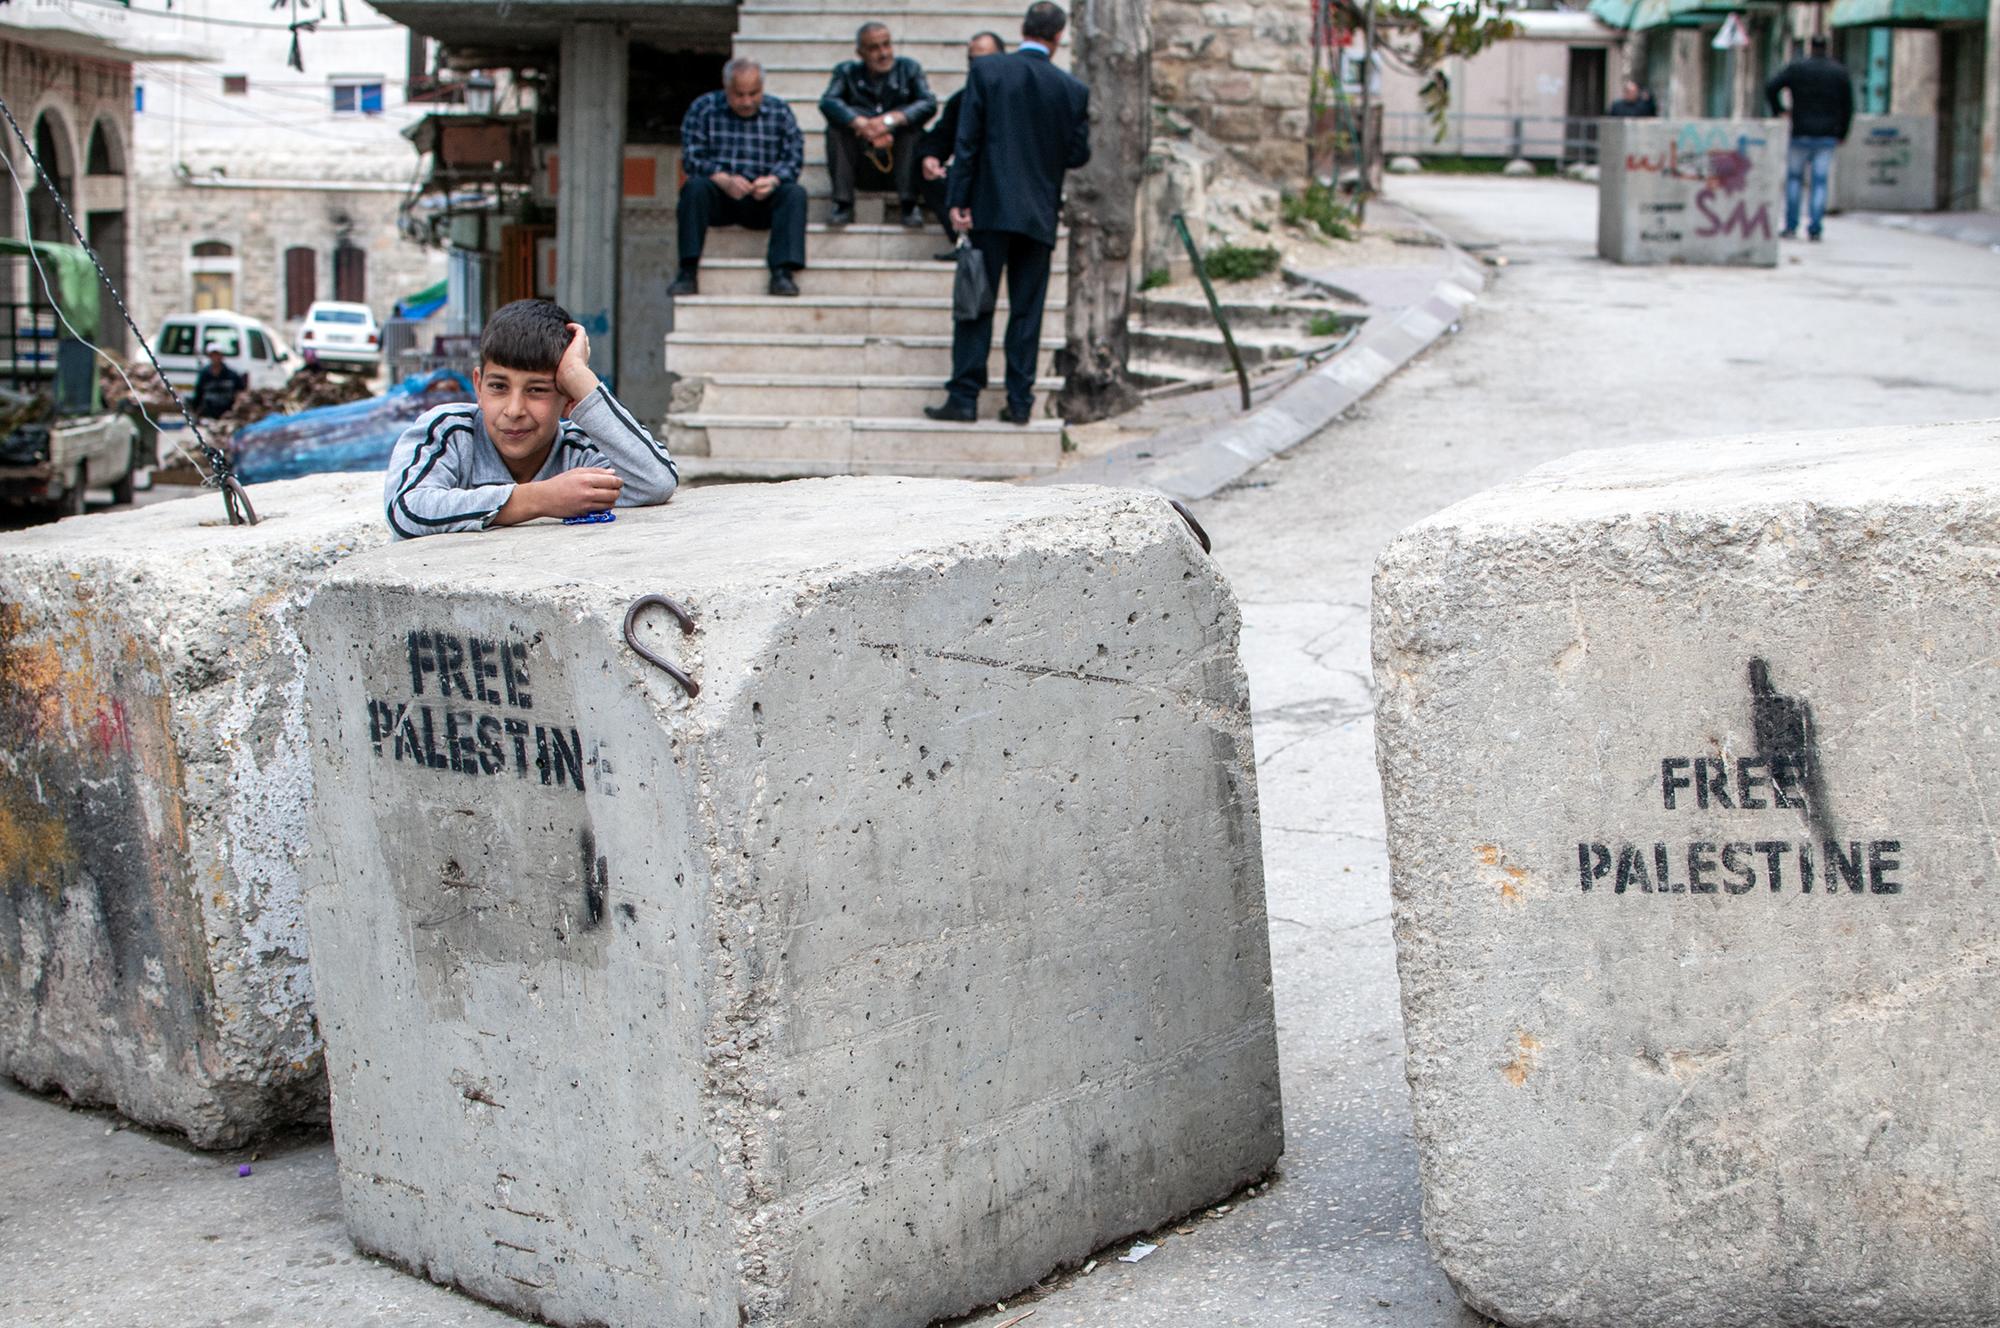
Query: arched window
(58, 157)
(214, 249)
(104, 158)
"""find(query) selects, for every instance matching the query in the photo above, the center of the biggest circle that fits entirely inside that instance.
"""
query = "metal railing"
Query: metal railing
(1544, 137)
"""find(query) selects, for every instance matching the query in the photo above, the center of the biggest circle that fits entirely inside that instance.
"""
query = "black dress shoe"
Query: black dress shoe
(842, 215)
(913, 217)
(953, 412)
(947, 255)
(782, 283)
(1017, 414)
(685, 284)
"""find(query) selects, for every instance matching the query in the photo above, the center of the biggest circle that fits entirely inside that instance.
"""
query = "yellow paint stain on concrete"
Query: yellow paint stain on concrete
(34, 842)
(1516, 1071)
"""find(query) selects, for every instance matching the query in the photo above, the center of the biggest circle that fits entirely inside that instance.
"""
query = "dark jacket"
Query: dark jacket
(853, 93)
(216, 390)
(942, 136)
(1022, 124)
(1822, 97)
(1641, 106)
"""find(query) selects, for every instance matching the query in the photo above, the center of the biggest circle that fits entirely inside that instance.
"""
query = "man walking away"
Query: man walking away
(874, 107)
(1023, 123)
(743, 153)
(1822, 109)
(935, 150)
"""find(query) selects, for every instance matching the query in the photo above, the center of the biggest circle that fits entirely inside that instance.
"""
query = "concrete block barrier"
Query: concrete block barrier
(923, 951)
(153, 789)
(1688, 754)
(1691, 191)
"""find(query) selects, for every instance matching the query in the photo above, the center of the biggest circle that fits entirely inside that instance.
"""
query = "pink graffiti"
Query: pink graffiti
(1729, 170)
(1740, 221)
(110, 731)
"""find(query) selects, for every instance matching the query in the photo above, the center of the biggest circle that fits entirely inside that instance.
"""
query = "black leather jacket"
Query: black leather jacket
(854, 93)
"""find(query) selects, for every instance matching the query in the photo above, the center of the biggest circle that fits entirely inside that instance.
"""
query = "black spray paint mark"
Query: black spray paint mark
(596, 880)
(1786, 737)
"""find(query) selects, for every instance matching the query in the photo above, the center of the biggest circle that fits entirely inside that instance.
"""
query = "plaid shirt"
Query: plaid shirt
(715, 138)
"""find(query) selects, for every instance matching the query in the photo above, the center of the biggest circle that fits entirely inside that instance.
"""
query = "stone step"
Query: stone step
(1202, 348)
(881, 315)
(823, 242)
(852, 276)
(822, 46)
(1269, 315)
(774, 445)
(866, 396)
(704, 354)
(930, 23)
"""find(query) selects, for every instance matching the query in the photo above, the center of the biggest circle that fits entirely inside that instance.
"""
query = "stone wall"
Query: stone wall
(1240, 72)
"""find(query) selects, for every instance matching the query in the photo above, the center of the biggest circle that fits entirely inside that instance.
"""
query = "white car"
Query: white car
(337, 333)
(247, 346)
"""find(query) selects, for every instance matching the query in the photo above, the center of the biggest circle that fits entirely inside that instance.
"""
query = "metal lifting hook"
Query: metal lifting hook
(1194, 525)
(681, 615)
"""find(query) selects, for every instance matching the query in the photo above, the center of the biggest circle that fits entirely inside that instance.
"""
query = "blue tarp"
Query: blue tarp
(359, 435)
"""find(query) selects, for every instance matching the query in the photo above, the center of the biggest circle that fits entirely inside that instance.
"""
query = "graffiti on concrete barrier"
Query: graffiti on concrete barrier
(1785, 776)
(1721, 163)
(1886, 153)
(1782, 781)
(469, 712)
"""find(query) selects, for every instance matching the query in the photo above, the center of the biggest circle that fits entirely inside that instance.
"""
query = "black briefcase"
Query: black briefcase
(971, 288)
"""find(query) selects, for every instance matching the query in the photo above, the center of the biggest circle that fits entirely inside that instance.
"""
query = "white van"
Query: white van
(247, 346)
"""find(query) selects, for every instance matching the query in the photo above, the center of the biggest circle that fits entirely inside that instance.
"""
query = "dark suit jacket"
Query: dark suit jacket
(942, 136)
(1022, 124)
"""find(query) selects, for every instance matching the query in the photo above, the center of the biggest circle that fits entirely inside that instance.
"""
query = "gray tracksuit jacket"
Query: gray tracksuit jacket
(446, 475)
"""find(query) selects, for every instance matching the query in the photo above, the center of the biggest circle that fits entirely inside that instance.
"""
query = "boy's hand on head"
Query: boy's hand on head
(574, 378)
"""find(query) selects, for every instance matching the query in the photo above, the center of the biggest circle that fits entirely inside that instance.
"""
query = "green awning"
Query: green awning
(1663, 14)
(1905, 13)
(1614, 13)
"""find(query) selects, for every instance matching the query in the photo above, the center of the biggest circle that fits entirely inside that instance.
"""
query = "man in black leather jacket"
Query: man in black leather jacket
(874, 107)
(1822, 109)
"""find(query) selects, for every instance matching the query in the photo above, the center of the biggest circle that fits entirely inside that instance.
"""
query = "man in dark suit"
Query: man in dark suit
(1023, 123)
(942, 136)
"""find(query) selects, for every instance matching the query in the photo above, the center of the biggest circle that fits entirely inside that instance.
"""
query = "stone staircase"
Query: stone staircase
(835, 381)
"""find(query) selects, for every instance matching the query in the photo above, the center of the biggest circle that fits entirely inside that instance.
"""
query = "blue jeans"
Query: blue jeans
(1819, 152)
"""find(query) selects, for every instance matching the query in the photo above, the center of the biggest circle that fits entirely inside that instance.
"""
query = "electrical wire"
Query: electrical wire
(234, 500)
(124, 8)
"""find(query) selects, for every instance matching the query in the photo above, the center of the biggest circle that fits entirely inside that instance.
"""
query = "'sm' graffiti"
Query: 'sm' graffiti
(1740, 221)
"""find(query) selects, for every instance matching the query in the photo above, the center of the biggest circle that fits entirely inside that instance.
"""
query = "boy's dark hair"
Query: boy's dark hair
(1044, 21)
(1818, 46)
(529, 335)
(999, 42)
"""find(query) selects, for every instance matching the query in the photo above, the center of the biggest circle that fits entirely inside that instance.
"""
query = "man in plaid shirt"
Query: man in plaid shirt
(742, 152)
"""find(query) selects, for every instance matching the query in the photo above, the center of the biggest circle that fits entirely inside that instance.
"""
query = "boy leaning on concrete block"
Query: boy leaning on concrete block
(545, 438)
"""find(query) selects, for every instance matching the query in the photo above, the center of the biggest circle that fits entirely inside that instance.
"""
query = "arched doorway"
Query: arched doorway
(53, 145)
(104, 159)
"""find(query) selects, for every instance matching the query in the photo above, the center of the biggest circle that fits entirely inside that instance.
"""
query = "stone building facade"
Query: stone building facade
(78, 111)
(262, 187)
(1240, 72)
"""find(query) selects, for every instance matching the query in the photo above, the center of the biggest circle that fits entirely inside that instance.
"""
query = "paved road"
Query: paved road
(1874, 326)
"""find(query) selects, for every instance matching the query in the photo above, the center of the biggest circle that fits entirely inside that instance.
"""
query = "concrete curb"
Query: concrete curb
(1193, 461)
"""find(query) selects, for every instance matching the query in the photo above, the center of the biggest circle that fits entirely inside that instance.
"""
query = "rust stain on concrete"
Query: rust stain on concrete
(1516, 1071)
